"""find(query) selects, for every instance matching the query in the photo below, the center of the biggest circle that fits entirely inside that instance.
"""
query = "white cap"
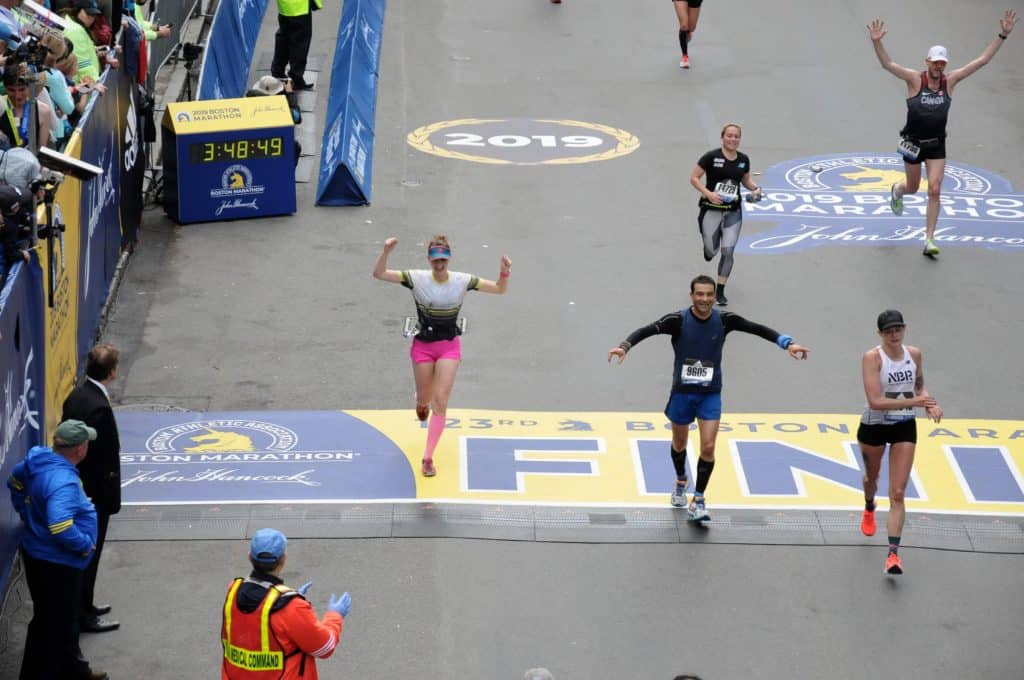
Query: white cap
(938, 53)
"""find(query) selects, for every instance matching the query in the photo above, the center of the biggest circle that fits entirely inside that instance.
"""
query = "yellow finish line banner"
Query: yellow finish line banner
(763, 460)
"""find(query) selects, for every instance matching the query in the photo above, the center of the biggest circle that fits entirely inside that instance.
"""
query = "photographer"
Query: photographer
(269, 86)
(16, 206)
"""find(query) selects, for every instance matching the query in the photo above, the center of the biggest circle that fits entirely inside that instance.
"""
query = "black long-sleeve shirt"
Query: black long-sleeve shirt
(672, 324)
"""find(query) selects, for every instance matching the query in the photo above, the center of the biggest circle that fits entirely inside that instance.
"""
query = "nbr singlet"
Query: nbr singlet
(897, 378)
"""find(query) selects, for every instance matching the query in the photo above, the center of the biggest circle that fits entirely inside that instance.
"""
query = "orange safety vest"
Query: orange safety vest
(251, 650)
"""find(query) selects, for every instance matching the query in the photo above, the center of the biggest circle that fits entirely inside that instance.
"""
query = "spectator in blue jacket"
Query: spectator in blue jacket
(57, 543)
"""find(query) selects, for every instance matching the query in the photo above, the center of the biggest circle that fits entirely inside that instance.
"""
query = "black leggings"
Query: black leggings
(720, 230)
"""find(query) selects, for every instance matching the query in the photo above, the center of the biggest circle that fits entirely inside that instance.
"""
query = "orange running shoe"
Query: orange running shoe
(893, 564)
(867, 523)
(428, 468)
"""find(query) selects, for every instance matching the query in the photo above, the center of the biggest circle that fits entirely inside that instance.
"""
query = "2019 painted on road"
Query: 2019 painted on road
(764, 460)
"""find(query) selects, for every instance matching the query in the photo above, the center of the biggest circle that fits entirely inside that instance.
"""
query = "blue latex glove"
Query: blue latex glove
(340, 604)
(304, 588)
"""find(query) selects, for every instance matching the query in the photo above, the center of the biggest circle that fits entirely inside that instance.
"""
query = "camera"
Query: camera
(190, 52)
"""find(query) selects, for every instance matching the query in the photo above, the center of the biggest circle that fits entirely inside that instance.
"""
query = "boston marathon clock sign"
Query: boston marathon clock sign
(228, 159)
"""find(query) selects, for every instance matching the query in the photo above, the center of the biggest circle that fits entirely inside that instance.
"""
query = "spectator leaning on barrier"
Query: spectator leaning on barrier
(19, 110)
(56, 545)
(268, 86)
(60, 93)
(16, 205)
(270, 630)
(152, 31)
(291, 42)
(80, 16)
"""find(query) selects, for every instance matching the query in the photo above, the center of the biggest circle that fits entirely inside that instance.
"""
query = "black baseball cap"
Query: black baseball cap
(89, 6)
(890, 318)
(14, 199)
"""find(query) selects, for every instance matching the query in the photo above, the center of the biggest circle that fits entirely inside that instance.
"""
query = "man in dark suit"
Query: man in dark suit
(101, 469)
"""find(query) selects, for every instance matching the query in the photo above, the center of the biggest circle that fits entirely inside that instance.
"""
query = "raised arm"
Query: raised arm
(876, 29)
(380, 269)
(501, 285)
(1005, 28)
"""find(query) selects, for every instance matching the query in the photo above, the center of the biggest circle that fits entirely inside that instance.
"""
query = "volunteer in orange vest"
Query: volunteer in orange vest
(270, 630)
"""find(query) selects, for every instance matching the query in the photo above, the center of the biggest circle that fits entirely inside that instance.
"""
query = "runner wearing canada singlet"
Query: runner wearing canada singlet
(436, 347)
(718, 176)
(893, 377)
(698, 336)
(923, 138)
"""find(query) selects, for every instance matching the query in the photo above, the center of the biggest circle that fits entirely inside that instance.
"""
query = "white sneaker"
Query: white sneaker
(684, 62)
(697, 510)
(678, 499)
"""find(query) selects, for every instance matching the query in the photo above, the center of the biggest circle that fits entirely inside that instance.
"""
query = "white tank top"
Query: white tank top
(898, 378)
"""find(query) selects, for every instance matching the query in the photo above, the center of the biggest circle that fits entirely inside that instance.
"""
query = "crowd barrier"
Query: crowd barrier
(176, 13)
(50, 308)
(229, 48)
(346, 165)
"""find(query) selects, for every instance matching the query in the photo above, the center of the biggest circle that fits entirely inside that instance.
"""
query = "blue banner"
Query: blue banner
(229, 49)
(259, 457)
(99, 213)
(21, 375)
(346, 166)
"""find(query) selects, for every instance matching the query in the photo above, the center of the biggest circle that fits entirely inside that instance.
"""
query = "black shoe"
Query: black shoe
(302, 85)
(98, 609)
(95, 624)
(721, 299)
(95, 675)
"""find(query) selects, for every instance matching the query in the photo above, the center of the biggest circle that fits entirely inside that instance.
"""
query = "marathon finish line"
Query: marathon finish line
(550, 458)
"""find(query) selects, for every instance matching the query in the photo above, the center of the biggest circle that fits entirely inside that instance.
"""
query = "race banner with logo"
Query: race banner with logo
(60, 260)
(132, 158)
(806, 461)
(21, 375)
(229, 48)
(346, 166)
(100, 223)
(843, 200)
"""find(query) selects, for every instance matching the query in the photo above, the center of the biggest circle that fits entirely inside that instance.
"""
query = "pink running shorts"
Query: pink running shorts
(429, 352)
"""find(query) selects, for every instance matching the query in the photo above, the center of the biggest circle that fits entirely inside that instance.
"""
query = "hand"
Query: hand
(112, 62)
(935, 413)
(163, 31)
(617, 352)
(506, 264)
(798, 351)
(926, 401)
(340, 604)
(390, 244)
(876, 29)
(304, 588)
(1007, 22)
(715, 198)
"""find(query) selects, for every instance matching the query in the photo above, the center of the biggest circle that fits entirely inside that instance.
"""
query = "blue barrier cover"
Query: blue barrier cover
(346, 166)
(21, 376)
(99, 210)
(229, 49)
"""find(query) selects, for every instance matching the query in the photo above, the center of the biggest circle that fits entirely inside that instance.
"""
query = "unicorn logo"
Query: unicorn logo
(875, 179)
(220, 441)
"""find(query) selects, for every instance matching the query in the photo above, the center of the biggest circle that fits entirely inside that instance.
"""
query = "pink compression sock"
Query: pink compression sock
(434, 429)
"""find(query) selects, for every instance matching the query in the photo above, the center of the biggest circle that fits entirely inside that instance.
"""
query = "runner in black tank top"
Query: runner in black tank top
(923, 138)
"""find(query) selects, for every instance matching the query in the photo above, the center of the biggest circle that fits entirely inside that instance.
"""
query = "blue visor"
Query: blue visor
(439, 253)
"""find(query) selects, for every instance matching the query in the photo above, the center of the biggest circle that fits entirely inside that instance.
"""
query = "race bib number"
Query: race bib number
(908, 149)
(899, 415)
(728, 190)
(696, 372)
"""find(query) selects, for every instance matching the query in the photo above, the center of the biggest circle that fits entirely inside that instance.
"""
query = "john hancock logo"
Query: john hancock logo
(844, 200)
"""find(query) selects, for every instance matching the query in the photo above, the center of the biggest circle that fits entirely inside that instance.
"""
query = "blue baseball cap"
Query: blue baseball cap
(8, 35)
(267, 545)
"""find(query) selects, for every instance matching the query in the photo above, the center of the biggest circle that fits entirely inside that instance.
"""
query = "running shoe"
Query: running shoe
(721, 299)
(678, 499)
(685, 61)
(428, 468)
(697, 510)
(422, 412)
(895, 202)
(893, 564)
(867, 523)
(930, 248)
(556, 2)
